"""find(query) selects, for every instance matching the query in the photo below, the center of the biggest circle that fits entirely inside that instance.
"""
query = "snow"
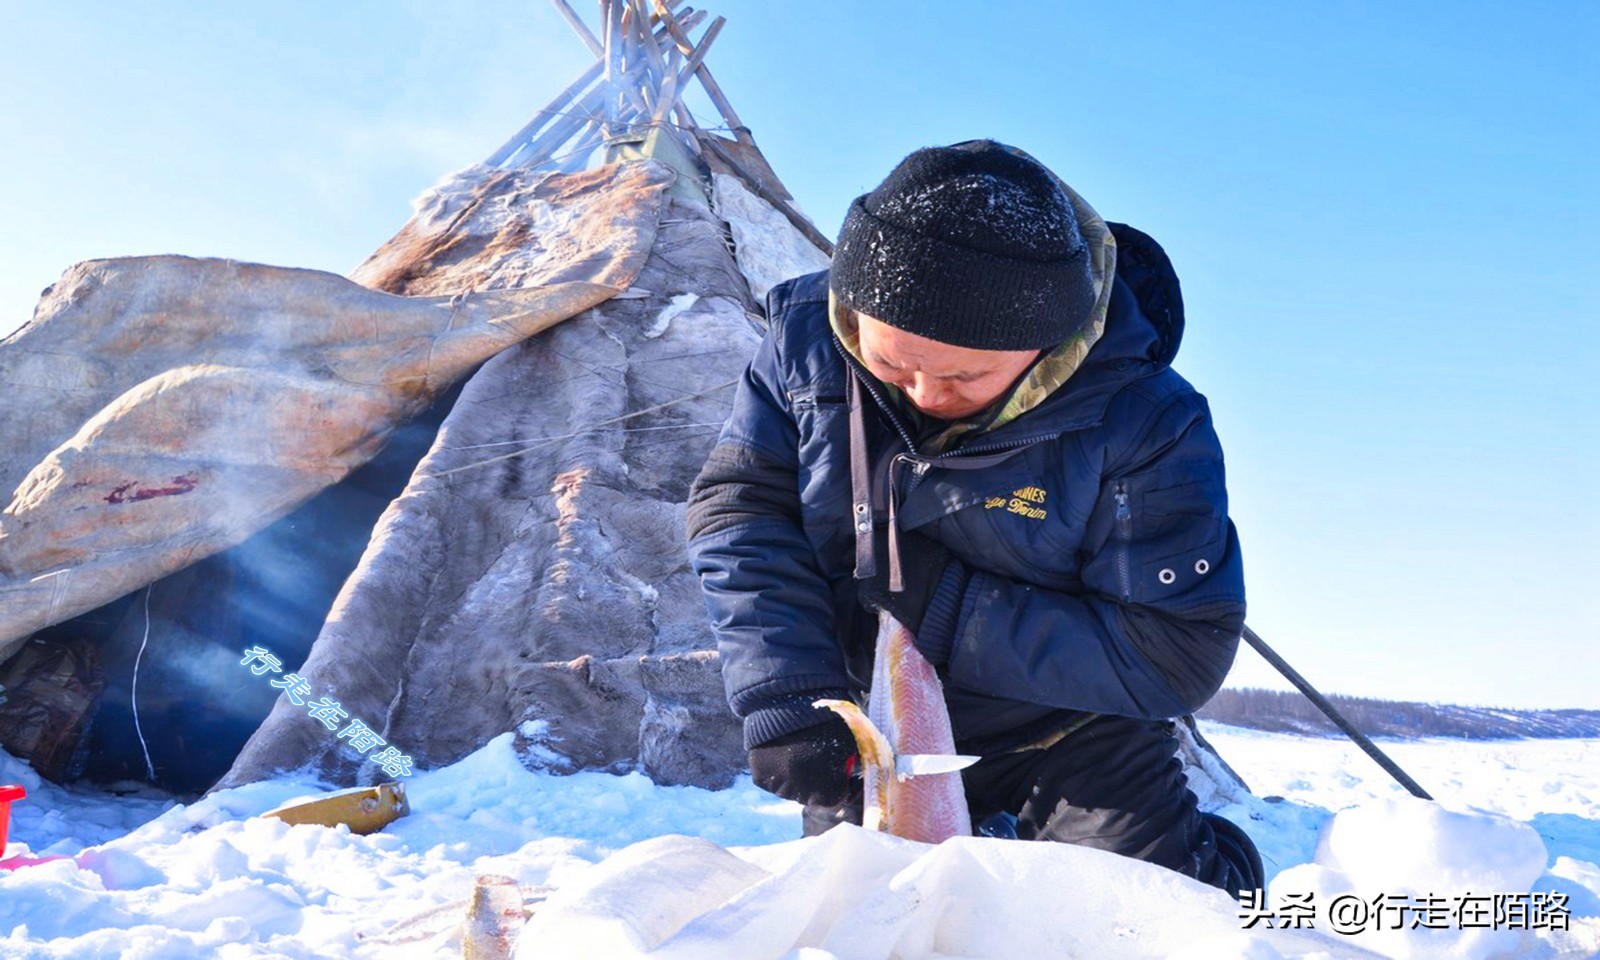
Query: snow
(852, 893)
(615, 866)
(1417, 851)
(674, 307)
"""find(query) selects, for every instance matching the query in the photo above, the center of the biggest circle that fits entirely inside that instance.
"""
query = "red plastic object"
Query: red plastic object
(8, 793)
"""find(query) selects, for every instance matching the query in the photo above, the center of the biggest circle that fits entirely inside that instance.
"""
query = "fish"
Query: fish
(495, 916)
(910, 768)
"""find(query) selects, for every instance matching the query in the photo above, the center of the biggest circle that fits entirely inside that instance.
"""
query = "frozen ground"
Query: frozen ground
(1513, 843)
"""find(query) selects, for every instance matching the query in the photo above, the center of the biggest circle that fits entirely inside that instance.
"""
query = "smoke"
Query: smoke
(197, 704)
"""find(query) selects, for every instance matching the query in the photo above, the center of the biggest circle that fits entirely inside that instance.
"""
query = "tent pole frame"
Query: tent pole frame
(1322, 703)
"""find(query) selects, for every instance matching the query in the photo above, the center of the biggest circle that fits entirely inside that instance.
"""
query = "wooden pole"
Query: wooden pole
(1323, 704)
(689, 19)
(589, 107)
(766, 193)
(664, 70)
(601, 50)
(560, 105)
(680, 110)
(740, 131)
(578, 27)
(667, 100)
(613, 59)
(583, 111)
(686, 122)
(692, 18)
(681, 80)
(546, 132)
(644, 27)
(631, 72)
(633, 47)
(631, 56)
(699, 55)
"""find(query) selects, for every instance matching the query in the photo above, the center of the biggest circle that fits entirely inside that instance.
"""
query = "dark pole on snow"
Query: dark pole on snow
(1305, 687)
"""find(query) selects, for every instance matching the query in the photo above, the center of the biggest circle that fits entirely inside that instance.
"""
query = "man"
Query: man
(971, 422)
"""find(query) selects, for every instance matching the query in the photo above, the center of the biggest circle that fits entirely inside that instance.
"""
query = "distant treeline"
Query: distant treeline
(1286, 712)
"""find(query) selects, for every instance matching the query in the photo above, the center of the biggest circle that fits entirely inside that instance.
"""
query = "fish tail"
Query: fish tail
(877, 759)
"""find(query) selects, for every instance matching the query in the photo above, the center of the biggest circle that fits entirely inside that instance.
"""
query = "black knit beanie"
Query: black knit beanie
(972, 245)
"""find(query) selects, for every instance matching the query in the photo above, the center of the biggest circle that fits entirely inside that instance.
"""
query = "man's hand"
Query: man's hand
(810, 766)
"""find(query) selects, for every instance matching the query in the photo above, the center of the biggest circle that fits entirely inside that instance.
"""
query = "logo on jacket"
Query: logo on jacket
(1027, 502)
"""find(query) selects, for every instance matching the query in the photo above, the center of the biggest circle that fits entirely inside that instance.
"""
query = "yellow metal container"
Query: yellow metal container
(363, 809)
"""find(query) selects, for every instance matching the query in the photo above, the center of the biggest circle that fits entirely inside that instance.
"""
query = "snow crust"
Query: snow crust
(614, 866)
(854, 893)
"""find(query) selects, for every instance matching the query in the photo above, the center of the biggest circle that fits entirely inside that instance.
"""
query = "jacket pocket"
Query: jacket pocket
(1178, 538)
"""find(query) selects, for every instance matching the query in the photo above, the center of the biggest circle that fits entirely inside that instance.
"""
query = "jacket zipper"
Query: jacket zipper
(1125, 539)
(878, 398)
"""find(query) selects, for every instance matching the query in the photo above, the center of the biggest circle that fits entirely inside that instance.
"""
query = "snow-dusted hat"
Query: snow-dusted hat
(973, 244)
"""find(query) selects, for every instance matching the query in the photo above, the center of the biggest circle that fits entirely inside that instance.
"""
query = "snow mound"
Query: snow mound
(1410, 879)
(1413, 846)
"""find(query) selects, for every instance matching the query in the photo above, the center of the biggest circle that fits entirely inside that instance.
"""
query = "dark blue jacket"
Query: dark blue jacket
(1105, 576)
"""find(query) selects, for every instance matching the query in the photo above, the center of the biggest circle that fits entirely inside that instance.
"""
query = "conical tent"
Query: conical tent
(530, 575)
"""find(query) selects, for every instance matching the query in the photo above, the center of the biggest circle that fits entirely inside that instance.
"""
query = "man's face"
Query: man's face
(941, 380)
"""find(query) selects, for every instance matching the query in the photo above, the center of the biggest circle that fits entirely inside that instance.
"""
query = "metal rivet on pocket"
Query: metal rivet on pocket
(864, 527)
(1167, 575)
(861, 508)
(1202, 566)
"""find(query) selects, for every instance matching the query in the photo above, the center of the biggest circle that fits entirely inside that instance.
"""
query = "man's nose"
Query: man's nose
(924, 391)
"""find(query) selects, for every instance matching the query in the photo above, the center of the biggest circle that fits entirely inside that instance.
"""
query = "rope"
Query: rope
(569, 436)
(546, 441)
(135, 698)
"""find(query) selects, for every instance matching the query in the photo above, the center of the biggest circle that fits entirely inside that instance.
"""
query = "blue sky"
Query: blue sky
(1384, 216)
